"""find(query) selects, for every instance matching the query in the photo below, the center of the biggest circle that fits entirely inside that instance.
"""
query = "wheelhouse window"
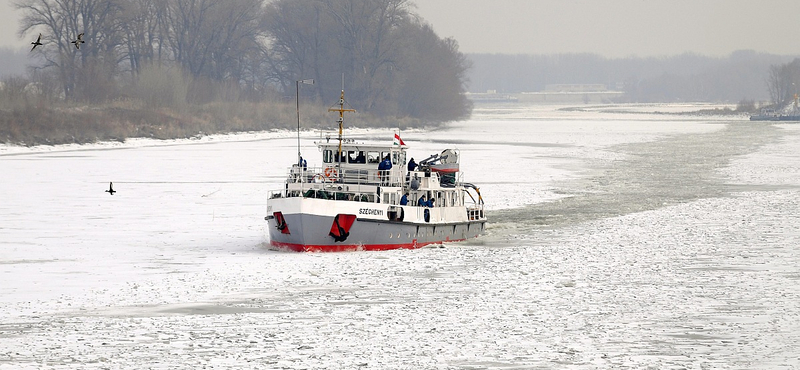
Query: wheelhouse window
(327, 156)
(373, 157)
(356, 156)
(399, 158)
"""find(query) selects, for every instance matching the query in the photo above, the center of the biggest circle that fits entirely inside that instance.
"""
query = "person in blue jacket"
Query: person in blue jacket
(386, 164)
(412, 165)
(383, 167)
(404, 199)
(302, 163)
(421, 202)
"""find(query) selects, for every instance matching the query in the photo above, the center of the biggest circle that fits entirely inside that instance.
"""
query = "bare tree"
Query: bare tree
(783, 82)
(210, 38)
(367, 32)
(88, 72)
(297, 42)
(240, 49)
(143, 24)
(376, 44)
(435, 78)
(775, 84)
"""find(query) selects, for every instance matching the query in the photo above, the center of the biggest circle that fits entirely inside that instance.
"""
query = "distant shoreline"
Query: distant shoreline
(725, 111)
(119, 122)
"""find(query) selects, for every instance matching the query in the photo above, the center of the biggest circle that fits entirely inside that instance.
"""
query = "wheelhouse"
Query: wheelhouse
(359, 163)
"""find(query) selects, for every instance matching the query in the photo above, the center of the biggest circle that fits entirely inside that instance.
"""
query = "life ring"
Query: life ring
(330, 172)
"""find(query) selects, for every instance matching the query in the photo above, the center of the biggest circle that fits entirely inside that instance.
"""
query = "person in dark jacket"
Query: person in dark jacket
(421, 202)
(412, 165)
(386, 164)
(383, 170)
(404, 199)
(302, 163)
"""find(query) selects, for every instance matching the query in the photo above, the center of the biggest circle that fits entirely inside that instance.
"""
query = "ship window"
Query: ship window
(396, 158)
(327, 156)
(336, 157)
(373, 157)
(356, 156)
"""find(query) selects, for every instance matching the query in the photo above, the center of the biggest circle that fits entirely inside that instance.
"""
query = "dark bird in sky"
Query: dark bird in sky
(79, 41)
(37, 42)
(111, 188)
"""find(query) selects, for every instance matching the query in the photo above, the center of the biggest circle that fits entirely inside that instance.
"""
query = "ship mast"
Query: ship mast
(341, 111)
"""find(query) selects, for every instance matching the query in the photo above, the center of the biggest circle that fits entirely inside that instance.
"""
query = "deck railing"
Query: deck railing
(353, 176)
(358, 185)
(475, 213)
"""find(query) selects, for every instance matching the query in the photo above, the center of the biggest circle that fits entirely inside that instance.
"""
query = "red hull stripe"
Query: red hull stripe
(352, 247)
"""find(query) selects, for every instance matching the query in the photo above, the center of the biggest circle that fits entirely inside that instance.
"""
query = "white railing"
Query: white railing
(359, 185)
(475, 213)
(345, 175)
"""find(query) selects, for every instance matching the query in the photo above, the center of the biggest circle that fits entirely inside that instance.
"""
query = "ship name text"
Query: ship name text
(370, 211)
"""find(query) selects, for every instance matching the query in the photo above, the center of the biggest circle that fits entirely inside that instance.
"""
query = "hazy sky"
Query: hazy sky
(614, 28)
(617, 28)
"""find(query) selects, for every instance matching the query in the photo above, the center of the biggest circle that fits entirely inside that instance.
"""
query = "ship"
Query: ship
(365, 197)
(789, 113)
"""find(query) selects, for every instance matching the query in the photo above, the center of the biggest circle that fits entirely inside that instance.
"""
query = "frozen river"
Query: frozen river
(618, 239)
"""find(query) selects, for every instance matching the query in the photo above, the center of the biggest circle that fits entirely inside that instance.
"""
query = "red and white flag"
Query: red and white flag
(398, 140)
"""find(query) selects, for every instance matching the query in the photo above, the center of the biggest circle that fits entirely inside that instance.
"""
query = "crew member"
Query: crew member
(383, 170)
(386, 164)
(302, 163)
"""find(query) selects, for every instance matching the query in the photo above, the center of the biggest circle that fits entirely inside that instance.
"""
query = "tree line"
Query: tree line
(743, 75)
(186, 52)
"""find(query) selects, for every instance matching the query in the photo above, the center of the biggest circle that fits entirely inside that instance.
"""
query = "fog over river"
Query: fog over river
(620, 237)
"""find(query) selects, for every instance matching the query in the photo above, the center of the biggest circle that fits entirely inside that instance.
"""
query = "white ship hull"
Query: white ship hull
(307, 224)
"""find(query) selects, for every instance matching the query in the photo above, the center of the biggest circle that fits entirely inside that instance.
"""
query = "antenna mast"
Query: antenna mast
(341, 111)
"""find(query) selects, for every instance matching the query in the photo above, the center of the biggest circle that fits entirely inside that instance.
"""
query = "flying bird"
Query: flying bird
(111, 188)
(79, 41)
(37, 42)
